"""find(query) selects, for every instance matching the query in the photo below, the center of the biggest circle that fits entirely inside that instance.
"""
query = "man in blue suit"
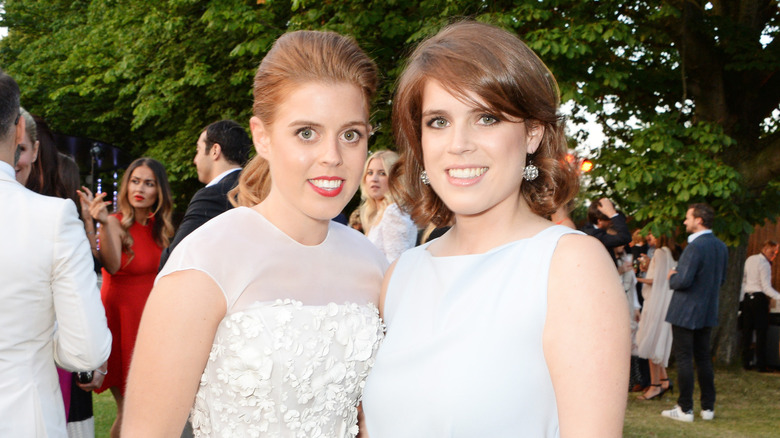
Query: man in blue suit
(222, 150)
(693, 311)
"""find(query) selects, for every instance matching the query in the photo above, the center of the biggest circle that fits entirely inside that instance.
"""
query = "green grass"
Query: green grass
(104, 408)
(748, 406)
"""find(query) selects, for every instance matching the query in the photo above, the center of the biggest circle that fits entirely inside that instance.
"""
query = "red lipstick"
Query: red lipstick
(325, 186)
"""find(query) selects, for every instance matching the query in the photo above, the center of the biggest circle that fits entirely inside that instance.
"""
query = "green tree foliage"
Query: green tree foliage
(684, 89)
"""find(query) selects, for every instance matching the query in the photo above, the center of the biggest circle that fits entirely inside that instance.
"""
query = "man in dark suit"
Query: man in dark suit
(693, 311)
(601, 217)
(222, 150)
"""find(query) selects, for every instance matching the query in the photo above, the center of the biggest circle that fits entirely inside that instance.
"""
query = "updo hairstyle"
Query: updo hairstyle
(295, 59)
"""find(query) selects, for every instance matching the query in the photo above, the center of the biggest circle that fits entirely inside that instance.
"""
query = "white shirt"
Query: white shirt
(222, 175)
(758, 277)
(7, 169)
(693, 236)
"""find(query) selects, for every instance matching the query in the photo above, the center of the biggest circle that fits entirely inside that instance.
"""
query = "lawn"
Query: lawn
(748, 405)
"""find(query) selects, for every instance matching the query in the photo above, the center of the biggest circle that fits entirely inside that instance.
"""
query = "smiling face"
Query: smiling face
(474, 159)
(27, 156)
(142, 188)
(376, 180)
(316, 148)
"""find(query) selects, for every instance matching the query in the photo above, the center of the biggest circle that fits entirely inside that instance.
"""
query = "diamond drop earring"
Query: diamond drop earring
(531, 172)
(424, 178)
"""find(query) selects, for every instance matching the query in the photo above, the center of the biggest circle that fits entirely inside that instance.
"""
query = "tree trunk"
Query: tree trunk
(725, 337)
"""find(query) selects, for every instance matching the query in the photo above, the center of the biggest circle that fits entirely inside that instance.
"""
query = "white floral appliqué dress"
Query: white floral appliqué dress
(291, 356)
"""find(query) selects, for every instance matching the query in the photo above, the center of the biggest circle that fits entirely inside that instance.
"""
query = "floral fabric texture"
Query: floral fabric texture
(286, 369)
(292, 352)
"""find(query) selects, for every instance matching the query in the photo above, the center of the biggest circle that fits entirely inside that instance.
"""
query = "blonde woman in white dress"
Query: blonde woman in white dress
(654, 337)
(385, 225)
(252, 328)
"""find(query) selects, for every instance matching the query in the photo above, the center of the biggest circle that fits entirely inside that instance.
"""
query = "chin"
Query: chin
(137, 205)
(324, 216)
(325, 212)
(465, 207)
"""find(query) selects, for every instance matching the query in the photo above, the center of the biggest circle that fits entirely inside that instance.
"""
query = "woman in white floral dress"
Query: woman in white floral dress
(253, 328)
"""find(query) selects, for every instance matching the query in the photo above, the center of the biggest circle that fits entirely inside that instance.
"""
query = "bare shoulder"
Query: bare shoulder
(191, 288)
(587, 338)
(580, 247)
(581, 268)
(580, 257)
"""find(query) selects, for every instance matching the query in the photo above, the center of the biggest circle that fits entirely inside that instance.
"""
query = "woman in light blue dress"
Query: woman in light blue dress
(507, 325)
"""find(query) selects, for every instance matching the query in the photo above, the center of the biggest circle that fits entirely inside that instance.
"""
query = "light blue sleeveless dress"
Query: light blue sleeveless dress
(463, 355)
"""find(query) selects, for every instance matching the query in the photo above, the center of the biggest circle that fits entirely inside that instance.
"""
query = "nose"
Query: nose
(331, 154)
(462, 139)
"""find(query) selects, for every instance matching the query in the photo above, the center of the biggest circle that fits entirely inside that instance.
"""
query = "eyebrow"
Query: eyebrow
(434, 112)
(437, 112)
(320, 125)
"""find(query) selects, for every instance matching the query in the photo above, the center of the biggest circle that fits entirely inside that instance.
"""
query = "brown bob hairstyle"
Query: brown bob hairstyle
(297, 58)
(470, 57)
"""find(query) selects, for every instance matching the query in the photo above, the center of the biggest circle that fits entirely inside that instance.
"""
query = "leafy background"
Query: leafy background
(687, 92)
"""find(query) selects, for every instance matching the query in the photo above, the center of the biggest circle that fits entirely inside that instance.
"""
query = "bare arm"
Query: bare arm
(85, 199)
(108, 248)
(587, 339)
(174, 340)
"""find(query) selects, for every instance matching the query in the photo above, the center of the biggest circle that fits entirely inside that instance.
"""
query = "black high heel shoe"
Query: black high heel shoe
(658, 396)
(669, 388)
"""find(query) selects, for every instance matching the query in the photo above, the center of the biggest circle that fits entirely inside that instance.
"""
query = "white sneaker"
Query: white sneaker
(676, 413)
(707, 414)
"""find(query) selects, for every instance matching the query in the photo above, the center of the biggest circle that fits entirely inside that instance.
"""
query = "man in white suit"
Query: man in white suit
(51, 309)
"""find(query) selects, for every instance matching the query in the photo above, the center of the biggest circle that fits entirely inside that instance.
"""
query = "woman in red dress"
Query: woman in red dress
(129, 244)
